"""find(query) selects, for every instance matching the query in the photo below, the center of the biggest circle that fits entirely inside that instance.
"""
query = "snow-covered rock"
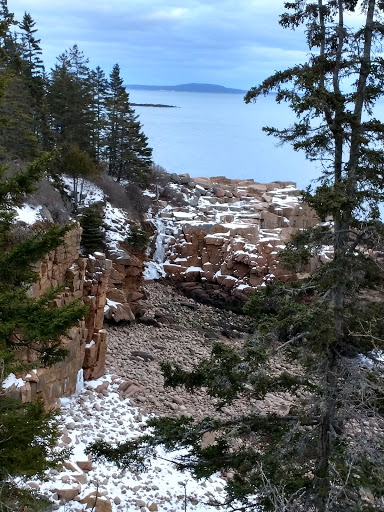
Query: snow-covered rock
(229, 242)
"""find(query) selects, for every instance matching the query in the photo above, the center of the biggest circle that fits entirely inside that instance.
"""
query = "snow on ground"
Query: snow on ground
(110, 303)
(28, 214)
(90, 416)
(116, 224)
(90, 193)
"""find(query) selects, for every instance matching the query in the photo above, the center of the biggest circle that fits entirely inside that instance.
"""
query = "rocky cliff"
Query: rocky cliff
(96, 281)
(81, 279)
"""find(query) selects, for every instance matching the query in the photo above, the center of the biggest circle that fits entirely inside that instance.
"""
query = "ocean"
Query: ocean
(211, 134)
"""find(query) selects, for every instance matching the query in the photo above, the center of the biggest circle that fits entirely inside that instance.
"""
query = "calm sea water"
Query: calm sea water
(219, 135)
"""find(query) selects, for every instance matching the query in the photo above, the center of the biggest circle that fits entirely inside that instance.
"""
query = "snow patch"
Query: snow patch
(12, 380)
(28, 214)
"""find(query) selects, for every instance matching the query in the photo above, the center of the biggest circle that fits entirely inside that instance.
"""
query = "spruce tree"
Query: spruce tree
(93, 237)
(36, 80)
(19, 138)
(324, 452)
(28, 433)
(31, 49)
(26, 321)
(99, 89)
(70, 100)
(129, 157)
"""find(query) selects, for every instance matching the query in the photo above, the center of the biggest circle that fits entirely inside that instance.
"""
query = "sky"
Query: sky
(235, 43)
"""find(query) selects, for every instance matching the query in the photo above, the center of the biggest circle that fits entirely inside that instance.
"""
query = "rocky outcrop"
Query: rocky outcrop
(227, 244)
(97, 275)
(84, 279)
(125, 286)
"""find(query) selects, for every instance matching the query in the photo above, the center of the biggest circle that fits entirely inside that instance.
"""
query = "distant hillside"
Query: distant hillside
(188, 88)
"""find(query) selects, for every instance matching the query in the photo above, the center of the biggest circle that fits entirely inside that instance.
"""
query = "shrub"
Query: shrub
(129, 197)
(160, 177)
(138, 239)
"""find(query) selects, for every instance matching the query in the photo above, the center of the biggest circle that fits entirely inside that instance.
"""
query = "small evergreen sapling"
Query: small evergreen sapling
(93, 237)
(137, 239)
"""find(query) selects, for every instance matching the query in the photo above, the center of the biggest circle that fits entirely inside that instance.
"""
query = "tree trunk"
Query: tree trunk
(360, 95)
(322, 481)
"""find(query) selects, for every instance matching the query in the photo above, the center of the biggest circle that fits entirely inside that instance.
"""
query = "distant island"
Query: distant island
(188, 88)
(157, 105)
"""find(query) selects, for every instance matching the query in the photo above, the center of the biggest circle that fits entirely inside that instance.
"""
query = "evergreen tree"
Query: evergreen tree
(33, 72)
(31, 50)
(325, 453)
(7, 37)
(93, 237)
(19, 138)
(129, 156)
(26, 321)
(28, 436)
(70, 100)
(99, 89)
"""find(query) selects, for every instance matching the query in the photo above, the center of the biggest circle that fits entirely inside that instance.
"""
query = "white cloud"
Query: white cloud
(176, 13)
(161, 41)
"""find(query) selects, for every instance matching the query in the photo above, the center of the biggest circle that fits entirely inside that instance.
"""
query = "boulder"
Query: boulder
(116, 295)
(68, 491)
(119, 313)
(85, 465)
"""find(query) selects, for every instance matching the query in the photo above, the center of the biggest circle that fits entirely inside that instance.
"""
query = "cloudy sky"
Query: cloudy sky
(235, 43)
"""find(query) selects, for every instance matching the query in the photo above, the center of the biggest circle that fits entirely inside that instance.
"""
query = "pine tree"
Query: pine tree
(26, 321)
(129, 156)
(99, 88)
(325, 453)
(19, 138)
(70, 100)
(28, 433)
(93, 237)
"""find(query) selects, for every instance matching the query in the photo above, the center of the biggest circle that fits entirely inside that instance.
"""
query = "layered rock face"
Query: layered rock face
(84, 279)
(98, 271)
(125, 284)
(228, 241)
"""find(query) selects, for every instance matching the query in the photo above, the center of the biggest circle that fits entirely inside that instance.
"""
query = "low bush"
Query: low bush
(138, 239)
